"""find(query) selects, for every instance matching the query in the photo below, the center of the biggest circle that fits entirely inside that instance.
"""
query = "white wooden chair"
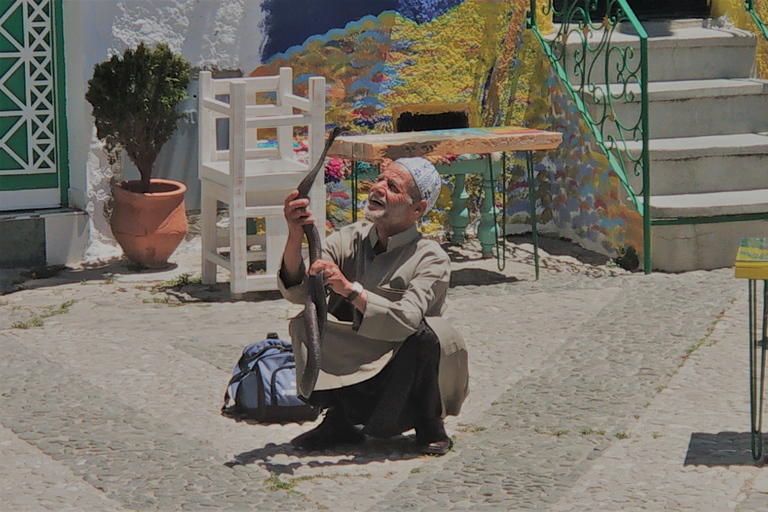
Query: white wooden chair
(254, 181)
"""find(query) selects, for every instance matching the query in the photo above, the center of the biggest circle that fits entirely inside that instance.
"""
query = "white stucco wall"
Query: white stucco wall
(226, 35)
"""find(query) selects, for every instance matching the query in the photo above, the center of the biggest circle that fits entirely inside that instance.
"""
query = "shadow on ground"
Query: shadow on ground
(374, 450)
(39, 277)
(721, 449)
(561, 247)
(471, 268)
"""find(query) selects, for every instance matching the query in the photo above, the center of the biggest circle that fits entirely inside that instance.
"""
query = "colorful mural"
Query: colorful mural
(732, 11)
(473, 52)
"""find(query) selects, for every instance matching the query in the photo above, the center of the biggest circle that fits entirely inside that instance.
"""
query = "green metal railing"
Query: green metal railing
(749, 5)
(600, 73)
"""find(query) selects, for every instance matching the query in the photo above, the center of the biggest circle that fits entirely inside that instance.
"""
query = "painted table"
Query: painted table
(376, 148)
(752, 264)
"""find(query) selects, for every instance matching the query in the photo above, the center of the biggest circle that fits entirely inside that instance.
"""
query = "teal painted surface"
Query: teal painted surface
(32, 142)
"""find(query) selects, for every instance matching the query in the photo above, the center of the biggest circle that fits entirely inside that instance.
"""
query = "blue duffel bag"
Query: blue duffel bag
(263, 385)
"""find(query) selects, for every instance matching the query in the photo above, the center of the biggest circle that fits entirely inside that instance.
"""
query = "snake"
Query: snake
(315, 305)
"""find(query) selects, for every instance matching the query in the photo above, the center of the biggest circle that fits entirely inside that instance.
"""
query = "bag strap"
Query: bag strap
(245, 361)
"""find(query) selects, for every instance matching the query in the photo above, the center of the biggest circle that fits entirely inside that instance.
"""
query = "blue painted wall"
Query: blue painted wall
(292, 22)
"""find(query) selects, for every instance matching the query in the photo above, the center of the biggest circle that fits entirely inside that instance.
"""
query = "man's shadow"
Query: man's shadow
(721, 449)
(373, 450)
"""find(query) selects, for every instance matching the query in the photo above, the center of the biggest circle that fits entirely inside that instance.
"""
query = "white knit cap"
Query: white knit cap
(425, 176)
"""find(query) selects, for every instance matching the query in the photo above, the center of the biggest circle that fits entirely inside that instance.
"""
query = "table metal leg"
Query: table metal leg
(354, 191)
(757, 343)
(532, 201)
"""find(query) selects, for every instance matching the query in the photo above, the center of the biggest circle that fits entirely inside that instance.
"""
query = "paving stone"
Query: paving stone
(119, 399)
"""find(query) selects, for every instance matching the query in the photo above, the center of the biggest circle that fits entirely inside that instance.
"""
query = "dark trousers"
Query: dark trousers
(402, 396)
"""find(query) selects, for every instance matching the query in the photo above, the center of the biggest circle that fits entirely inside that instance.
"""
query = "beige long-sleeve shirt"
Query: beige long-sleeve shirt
(406, 283)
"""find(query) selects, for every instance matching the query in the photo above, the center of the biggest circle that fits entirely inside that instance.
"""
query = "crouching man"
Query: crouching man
(389, 361)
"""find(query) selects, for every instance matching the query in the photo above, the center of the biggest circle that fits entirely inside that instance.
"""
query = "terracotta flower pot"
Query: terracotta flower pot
(149, 226)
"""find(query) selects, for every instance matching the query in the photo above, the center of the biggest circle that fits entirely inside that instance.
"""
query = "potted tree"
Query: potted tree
(135, 98)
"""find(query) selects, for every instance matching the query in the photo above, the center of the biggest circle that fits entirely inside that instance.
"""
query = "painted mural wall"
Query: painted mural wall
(475, 53)
(733, 12)
(375, 55)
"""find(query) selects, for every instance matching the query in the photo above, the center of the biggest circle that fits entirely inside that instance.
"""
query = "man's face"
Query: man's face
(390, 200)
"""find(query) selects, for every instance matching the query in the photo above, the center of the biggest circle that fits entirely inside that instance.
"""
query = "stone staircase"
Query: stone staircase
(709, 143)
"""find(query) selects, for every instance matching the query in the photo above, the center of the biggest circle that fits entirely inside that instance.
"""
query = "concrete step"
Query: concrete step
(712, 163)
(57, 236)
(709, 204)
(689, 247)
(688, 108)
(704, 246)
(684, 50)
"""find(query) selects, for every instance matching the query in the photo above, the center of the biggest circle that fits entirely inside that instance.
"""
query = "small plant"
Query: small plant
(471, 428)
(659, 389)
(415, 470)
(64, 308)
(587, 431)
(33, 322)
(160, 300)
(184, 279)
(273, 483)
(622, 435)
(38, 320)
(135, 98)
(560, 432)
(656, 435)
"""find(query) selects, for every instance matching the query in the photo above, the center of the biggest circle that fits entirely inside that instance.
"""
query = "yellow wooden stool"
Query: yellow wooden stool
(752, 264)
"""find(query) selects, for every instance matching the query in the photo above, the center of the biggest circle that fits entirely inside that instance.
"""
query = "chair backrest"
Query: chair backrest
(245, 103)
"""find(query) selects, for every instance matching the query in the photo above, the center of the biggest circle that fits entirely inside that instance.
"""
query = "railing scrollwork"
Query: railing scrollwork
(599, 51)
(749, 5)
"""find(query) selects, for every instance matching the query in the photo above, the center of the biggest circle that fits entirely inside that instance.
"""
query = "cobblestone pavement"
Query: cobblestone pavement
(591, 389)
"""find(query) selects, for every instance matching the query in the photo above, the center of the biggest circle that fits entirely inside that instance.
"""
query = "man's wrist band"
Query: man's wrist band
(357, 289)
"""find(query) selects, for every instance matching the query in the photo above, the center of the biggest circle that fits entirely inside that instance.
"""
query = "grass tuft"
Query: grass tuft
(37, 321)
(184, 279)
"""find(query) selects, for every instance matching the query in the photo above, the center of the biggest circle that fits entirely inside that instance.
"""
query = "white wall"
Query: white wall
(209, 33)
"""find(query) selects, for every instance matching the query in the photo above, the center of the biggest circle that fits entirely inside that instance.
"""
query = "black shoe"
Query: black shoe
(431, 438)
(333, 431)
(439, 448)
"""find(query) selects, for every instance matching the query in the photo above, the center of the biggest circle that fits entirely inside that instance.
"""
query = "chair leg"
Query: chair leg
(277, 235)
(208, 234)
(238, 251)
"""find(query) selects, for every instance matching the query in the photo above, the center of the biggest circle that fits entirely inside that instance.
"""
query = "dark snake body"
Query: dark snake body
(315, 305)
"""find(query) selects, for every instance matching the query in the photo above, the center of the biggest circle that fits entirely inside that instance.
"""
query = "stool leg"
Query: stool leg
(208, 234)
(757, 346)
